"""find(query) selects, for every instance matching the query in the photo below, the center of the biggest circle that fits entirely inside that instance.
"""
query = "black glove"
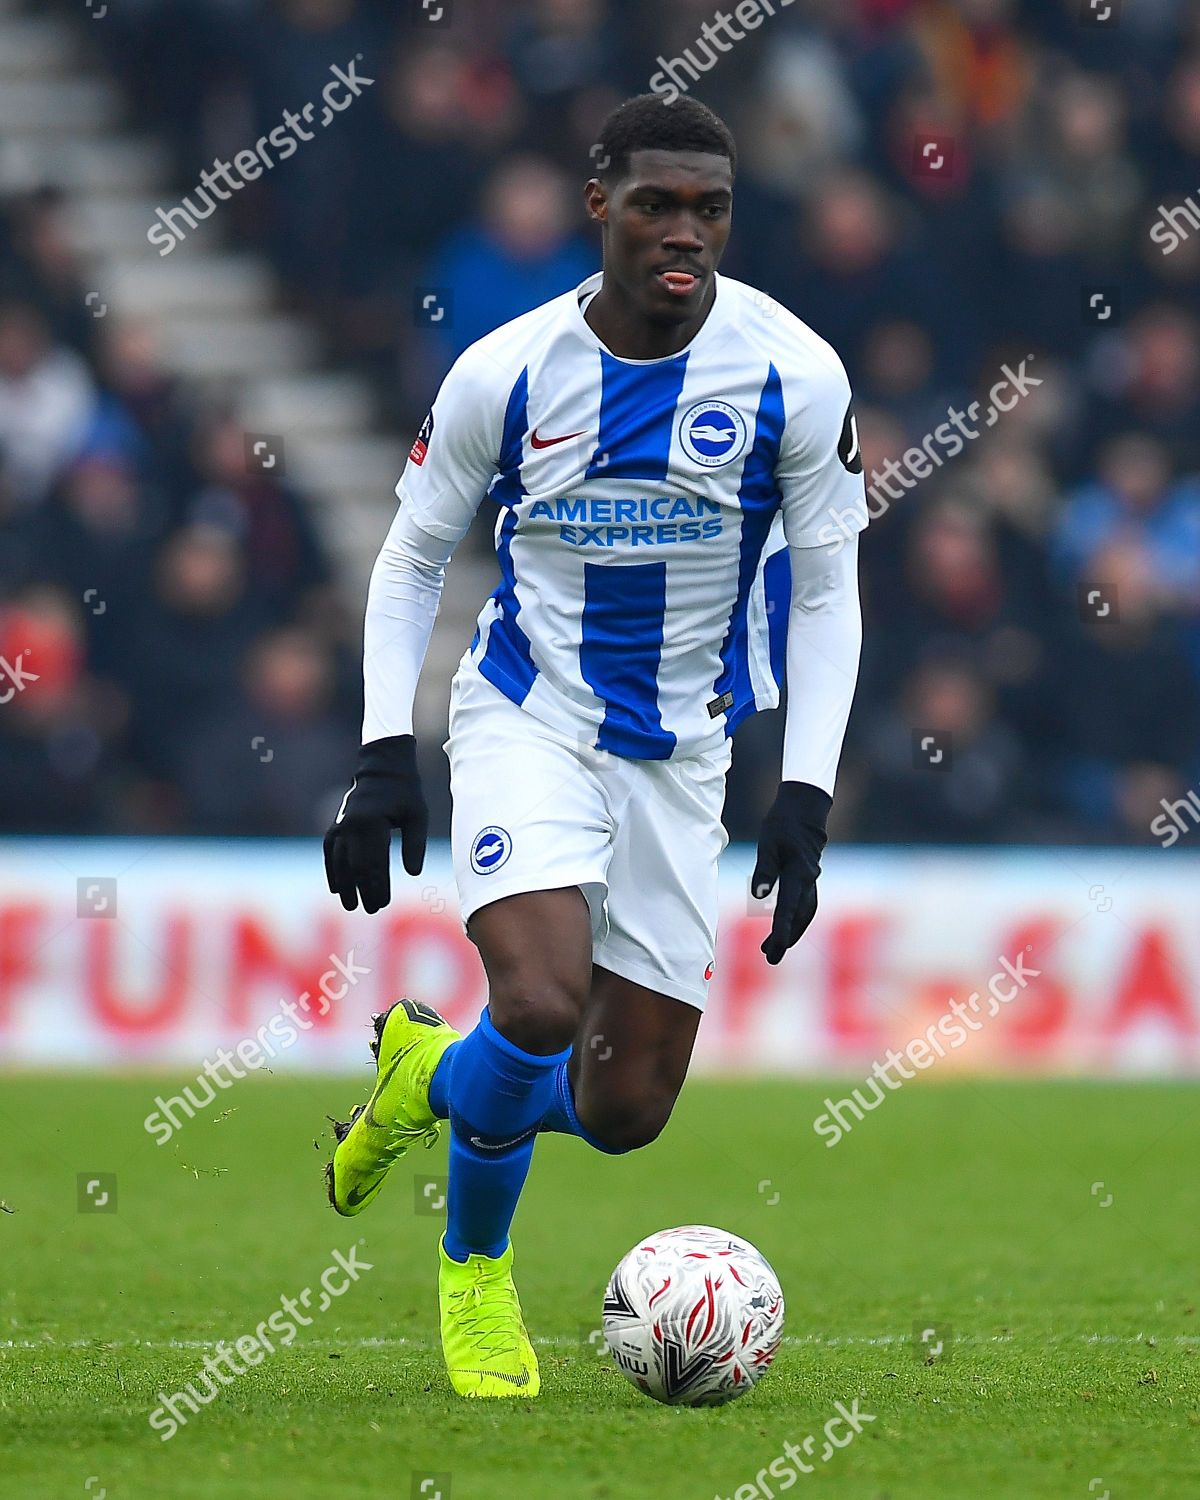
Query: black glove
(386, 794)
(789, 851)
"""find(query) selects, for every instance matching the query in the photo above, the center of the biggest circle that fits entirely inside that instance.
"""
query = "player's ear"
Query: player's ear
(595, 195)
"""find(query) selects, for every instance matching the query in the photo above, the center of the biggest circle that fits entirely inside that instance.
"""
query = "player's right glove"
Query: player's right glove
(386, 794)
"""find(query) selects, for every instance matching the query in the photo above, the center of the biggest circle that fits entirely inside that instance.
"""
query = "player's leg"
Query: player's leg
(497, 1084)
(495, 1087)
(654, 961)
(530, 838)
(627, 1067)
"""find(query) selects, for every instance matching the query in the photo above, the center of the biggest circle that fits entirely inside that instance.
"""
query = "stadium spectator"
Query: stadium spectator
(867, 263)
(56, 723)
(422, 117)
(942, 765)
(137, 386)
(46, 399)
(182, 668)
(272, 759)
(1126, 698)
(1135, 498)
(270, 525)
(95, 538)
(1151, 382)
(524, 249)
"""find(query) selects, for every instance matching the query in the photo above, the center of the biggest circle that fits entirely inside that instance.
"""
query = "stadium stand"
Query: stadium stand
(180, 596)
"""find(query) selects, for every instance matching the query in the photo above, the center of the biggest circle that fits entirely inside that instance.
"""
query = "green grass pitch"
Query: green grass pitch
(1049, 1231)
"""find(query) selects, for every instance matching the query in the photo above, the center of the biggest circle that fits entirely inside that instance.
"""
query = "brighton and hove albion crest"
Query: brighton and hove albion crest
(713, 434)
(490, 850)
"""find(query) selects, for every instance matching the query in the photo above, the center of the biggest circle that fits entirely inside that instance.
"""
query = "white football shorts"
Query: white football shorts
(536, 810)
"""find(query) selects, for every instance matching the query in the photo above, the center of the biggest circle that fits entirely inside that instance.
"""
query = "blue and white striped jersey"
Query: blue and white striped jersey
(646, 508)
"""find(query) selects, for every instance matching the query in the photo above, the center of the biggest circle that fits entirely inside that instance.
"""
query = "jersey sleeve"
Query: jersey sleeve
(820, 468)
(449, 471)
(823, 643)
(457, 452)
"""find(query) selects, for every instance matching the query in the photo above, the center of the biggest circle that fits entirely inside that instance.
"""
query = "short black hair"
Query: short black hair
(649, 123)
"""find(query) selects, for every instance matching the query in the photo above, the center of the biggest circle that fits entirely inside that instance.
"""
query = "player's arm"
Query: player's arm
(448, 473)
(824, 508)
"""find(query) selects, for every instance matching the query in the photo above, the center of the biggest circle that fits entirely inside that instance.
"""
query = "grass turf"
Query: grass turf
(1070, 1367)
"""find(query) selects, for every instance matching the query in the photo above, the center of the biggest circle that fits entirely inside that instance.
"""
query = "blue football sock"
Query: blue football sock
(439, 1084)
(561, 1118)
(497, 1095)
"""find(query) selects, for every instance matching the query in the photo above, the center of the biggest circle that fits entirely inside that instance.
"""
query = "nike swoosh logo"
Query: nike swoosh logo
(354, 1197)
(540, 442)
(341, 812)
(505, 1145)
(381, 1085)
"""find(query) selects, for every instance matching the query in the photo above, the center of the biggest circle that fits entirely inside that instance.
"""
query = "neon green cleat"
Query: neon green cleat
(409, 1042)
(487, 1351)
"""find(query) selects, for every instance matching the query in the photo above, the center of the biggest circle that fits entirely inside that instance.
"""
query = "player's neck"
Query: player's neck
(629, 334)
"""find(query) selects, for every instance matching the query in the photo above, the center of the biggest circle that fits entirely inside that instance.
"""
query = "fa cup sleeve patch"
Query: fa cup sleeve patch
(420, 449)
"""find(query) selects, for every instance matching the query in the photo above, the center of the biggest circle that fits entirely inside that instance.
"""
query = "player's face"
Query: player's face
(666, 224)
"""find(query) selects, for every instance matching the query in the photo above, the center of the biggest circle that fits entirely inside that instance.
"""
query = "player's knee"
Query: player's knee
(540, 1014)
(622, 1126)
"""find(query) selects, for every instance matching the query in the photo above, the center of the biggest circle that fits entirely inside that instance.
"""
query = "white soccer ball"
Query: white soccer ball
(693, 1316)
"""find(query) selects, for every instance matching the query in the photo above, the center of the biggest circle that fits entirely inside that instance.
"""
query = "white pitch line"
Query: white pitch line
(400, 1341)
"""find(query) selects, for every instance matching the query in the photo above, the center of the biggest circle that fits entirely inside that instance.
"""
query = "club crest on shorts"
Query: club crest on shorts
(713, 434)
(490, 850)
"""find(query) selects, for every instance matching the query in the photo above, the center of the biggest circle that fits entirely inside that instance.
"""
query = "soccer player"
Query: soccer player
(674, 456)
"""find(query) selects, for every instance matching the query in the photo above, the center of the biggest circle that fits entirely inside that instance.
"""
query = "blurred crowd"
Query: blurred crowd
(161, 604)
(941, 190)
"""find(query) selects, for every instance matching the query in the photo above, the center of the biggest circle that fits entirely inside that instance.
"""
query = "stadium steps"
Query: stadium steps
(116, 225)
(235, 348)
(76, 165)
(60, 105)
(331, 458)
(312, 404)
(34, 46)
(351, 479)
(223, 285)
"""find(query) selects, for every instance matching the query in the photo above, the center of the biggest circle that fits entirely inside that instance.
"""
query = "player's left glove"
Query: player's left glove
(789, 851)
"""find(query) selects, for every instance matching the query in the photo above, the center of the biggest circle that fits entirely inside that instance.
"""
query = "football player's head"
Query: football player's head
(663, 196)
